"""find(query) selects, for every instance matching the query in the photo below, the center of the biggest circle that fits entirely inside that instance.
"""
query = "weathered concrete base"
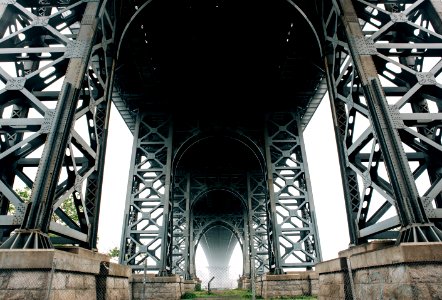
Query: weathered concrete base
(382, 270)
(188, 285)
(169, 287)
(55, 274)
(290, 284)
(244, 283)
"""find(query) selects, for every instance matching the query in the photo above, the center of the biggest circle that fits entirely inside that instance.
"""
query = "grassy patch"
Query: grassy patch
(235, 293)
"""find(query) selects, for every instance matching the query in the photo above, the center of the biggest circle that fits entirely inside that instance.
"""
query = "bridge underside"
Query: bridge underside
(205, 59)
(217, 95)
(213, 73)
(218, 244)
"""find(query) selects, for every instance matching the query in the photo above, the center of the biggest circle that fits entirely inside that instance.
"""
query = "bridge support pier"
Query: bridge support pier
(55, 274)
(290, 284)
(382, 270)
(152, 287)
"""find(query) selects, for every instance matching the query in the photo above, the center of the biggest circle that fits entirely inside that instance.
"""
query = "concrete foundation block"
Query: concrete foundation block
(291, 284)
(59, 275)
(152, 287)
(382, 270)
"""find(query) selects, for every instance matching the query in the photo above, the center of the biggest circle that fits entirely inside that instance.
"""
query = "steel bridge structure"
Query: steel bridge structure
(217, 94)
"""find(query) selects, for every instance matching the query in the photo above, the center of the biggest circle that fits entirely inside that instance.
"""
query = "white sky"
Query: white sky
(323, 166)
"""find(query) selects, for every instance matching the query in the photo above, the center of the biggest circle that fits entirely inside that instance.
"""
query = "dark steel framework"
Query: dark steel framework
(383, 65)
(382, 62)
(56, 71)
(160, 220)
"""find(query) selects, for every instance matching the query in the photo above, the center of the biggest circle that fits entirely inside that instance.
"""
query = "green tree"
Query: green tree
(25, 194)
(67, 206)
(114, 252)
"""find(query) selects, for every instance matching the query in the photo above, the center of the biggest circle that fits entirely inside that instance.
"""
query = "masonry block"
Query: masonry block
(291, 284)
(383, 271)
(58, 275)
(152, 287)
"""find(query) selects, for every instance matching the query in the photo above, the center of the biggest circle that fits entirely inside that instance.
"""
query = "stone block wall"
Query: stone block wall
(407, 271)
(54, 274)
(155, 288)
(291, 284)
(244, 283)
(188, 285)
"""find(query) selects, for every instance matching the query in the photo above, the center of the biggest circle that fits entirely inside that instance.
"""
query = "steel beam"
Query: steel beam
(258, 222)
(382, 60)
(147, 228)
(292, 215)
(81, 38)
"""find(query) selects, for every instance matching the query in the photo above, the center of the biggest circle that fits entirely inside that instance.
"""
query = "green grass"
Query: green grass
(237, 293)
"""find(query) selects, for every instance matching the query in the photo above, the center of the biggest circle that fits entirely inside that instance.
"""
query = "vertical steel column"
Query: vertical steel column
(258, 223)
(360, 158)
(147, 230)
(342, 128)
(381, 79)
(246, 247)
(312, 244)
(295, 238)
(101, 72)
(252, 250)
(273, 228)
(192, 246)
(189, 237)
(182, 238)
(35, 225)
(180, 251)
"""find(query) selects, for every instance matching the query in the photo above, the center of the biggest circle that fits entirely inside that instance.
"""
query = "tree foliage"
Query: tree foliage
(68, 206)
(114, 252)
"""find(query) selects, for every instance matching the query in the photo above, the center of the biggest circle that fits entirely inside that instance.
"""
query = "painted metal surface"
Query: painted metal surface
(56, 74)
(58, 58)
(383, 60)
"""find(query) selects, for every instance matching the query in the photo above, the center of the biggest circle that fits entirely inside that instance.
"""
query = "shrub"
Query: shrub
(188, 295)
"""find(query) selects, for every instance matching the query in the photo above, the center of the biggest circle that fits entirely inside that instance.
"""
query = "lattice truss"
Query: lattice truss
(147, 236)
(184, 245)
(260, 246)
(294, 234)
(404, 40)
(181, 226)
(233, 222)
(182, 218)
(200, 186)
(39, 46)
(188, 228)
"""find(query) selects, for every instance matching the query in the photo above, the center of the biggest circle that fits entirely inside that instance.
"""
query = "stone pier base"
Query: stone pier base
(59, 275)
(244, 283)
(291, 284)
(152, 287)
(188, 285)
(381, 270)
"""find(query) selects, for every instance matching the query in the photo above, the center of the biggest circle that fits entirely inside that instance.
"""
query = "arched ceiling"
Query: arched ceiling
(215, 56)
(218, 202)
(219, 154)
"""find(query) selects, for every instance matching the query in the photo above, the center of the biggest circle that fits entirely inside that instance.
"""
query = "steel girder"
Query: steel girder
(188, 228)
(147, 229)
(55, 77)
(188, 188)
(200, 224)
(260, 247)
(291, 209)
(383, 63)
(182, 248)
(295, 231)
